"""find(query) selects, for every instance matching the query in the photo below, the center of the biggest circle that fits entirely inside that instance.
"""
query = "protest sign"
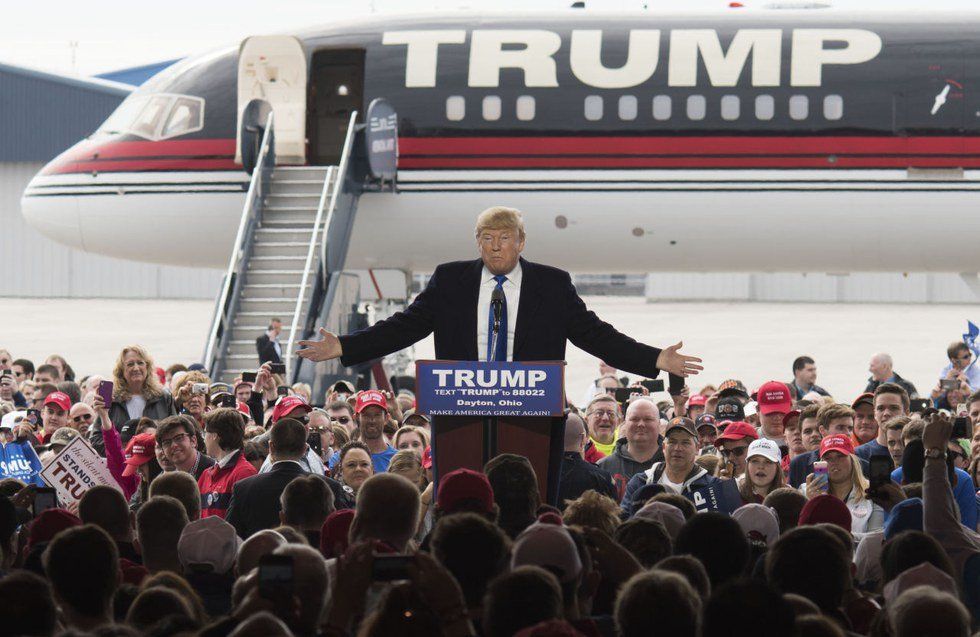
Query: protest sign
(722, 496)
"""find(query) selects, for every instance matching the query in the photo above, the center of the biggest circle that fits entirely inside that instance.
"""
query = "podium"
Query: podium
(482, 409)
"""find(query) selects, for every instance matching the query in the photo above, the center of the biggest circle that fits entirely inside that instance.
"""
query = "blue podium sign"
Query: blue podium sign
(473, 388)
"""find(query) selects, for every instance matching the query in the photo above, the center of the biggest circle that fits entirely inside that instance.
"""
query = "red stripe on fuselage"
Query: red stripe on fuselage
(563, 152)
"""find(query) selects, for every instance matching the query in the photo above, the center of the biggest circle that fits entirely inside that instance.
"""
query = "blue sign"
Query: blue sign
(722, 496)
(472, 388)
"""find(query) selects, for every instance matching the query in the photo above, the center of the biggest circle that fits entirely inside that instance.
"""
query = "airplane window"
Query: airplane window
(525, 108)
(627, 107)
(765, 107)
(491, 108)
(799, 107)
(593, 108)
(186, 116)
(661, 107)
(124, 115)
(455, 108)
(148, 121)
(833, 107)
(729, 107)
(696, 107)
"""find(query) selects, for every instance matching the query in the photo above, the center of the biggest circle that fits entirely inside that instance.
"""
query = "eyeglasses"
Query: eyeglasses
(81, 417)
(738, 452)
(176, 439)
(608, 413)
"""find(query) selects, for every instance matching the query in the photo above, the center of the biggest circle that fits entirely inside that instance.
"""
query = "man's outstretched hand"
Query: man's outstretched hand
(316, 351)
(671, 360)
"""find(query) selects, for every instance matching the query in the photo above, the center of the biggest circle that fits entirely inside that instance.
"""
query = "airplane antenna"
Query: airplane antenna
(73, 45)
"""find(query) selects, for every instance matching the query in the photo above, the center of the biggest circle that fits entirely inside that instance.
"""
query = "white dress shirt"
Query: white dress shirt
(512, 292)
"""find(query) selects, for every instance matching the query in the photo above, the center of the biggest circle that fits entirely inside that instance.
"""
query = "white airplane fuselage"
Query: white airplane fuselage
(631, 144)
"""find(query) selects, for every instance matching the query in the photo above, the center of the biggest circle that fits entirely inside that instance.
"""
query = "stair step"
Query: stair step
(280, 264)
(253, 276)
(281, 249)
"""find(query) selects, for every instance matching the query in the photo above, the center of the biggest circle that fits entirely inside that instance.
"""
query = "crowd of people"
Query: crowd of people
(256, 508)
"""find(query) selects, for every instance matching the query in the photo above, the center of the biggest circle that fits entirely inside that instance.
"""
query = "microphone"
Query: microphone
(497, 303)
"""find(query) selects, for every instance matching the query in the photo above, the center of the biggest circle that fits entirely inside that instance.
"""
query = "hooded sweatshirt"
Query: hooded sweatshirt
(622, 466)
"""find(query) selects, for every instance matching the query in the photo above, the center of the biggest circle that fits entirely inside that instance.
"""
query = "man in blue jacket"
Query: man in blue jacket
(17, 457)
(678, 473)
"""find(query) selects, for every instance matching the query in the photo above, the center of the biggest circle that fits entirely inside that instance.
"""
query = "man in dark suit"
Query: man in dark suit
(255, 501)
(267, 346)
(541, 312)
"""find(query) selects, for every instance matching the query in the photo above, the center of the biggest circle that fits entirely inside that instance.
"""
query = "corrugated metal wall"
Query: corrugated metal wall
(43, 114)
(35, 266)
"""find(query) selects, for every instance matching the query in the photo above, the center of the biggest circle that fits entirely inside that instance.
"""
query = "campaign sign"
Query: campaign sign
(722, 496)
(75, 470)
(473, 388)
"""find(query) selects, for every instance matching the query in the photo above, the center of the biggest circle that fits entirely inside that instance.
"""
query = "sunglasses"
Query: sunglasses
(81, 418)
(738, 452)
(343, 420)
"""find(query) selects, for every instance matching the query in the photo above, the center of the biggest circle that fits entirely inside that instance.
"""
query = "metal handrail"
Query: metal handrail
(341, 176)
(335, 175)
(301, 298)
(249, 211)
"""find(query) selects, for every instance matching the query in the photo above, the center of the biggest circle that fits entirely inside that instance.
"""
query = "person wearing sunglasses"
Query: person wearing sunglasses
(82, 416)
(734, 442)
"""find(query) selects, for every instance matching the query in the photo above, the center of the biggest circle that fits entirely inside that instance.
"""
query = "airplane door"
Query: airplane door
(273, 68)
(337, 90)
(935, 97)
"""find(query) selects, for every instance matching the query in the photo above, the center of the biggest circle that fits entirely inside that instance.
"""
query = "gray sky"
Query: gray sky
(113, 34)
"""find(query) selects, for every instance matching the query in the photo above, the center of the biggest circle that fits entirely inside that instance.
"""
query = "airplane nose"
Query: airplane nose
(53, 215)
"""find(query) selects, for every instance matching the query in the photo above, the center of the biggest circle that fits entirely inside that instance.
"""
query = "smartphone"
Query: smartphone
(275, 576)
(199, 388)
(949, 383)
(388, 568)
(961, 427)
(315, 442)
(622, 394)
(880, 469)
(7, 372)
(277, 368)
(248, 377)
(918, 405)
(653, 386)
(33, 417)
(282, 390)
(228, 400)
(105, 390)
(822, 481)
(44, 498)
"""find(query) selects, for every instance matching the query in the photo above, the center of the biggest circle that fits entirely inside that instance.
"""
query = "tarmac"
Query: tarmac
(754, 342)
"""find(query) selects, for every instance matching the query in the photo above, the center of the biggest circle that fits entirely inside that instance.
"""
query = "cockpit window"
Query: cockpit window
(156, 117)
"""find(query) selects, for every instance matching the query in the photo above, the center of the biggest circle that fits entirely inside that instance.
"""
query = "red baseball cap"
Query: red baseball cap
(287, 405)
(59, 398)
(697, 400)
(370, 397)
(792, 413)
(774, 396)
(464, 484)
(826, 508)
(866, 397)
(140, 450)
(244, 409)
(837, 442)
(738, 430)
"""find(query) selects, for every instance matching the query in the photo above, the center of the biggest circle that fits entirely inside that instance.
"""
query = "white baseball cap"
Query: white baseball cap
(765, 448)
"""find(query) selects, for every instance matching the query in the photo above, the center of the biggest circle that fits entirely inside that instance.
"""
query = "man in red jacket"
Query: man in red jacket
(224, 438)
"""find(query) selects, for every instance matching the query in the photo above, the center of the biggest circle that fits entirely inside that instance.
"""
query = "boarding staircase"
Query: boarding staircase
(287, 263)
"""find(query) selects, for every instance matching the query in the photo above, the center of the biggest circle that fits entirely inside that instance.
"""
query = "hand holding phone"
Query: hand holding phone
(199, 389)
(44, 498)
(277, 368)
(879, 471)
(821, 481)
(105, 392)
(249, 377)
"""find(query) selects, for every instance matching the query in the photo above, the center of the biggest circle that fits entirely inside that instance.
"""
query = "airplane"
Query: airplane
(794, 140)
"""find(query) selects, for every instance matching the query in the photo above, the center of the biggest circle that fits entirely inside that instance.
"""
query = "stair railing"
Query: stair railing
(227, 304)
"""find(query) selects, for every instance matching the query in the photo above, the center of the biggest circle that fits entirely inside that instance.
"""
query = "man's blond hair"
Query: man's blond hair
(500, 218)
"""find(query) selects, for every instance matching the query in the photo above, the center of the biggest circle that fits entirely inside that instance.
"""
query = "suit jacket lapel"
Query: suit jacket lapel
(527, 306)
(469, 283)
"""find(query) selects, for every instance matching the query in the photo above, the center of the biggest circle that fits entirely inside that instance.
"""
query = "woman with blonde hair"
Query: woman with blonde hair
(845, 481)
(136, 392)
(191, 398)
(411, 438)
